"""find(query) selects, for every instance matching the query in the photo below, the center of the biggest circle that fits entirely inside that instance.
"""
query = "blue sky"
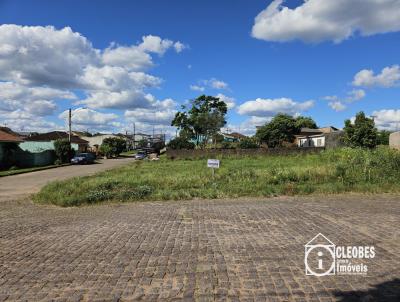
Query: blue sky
(327, 62)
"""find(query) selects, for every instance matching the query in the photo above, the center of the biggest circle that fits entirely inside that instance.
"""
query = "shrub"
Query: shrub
(248, 143)
(180, 143)
(63, 150)
(227, 145)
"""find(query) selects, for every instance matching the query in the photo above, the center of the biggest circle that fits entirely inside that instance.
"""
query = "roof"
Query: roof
(7, 135)
(237, 135)
(54, 135)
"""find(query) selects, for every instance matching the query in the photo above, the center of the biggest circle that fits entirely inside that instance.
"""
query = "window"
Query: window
(319, 142)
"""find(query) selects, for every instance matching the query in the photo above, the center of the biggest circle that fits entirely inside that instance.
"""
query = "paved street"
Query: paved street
(17, 186)
(236, 250)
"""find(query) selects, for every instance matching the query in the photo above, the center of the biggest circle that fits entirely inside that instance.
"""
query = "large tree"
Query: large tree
(305, 122)
(203, 119)
(361, 133)
(282, 128)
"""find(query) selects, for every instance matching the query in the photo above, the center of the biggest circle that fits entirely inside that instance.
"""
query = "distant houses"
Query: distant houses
(326, 137)
(45, 141)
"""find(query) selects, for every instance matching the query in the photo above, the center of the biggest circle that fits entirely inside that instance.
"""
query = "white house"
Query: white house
(317, 138)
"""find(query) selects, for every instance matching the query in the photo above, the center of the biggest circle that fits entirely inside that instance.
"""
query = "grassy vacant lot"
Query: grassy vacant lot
(332, 171)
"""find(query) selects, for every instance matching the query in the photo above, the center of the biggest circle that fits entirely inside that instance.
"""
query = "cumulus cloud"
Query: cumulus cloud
(21, 120)
(230, 102)
(337, 106)
(36, 100)
(388, 77)
(161, 113)
(197, 88)
(36, 55)
(40, 65)
(125, 99)
(321, 20)
(212, 83)
(340, 104)
(270, 107)
(85, 118)
(387, 119)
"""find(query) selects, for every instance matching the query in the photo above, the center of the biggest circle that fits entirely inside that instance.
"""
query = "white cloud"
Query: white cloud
(270, 107)
(20, 120)
(40, 65)
(197, 88)
(217, 84)
(355, 95)
(321, 20)
(161, 113)
(337, 105)
(113, 78)
(125, 99)
(89, 119)
(36, 55)
(37, 100)
(389, 77)
(387, 119)
(230, 102)
(212, 83)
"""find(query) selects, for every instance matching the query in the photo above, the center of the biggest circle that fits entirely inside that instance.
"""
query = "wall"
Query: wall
(334, 139)
(394, 140)
(209, 153)
(36, 147)
(311, 142)
(28, 159)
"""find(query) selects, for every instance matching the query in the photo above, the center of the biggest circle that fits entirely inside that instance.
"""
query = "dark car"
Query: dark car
(83, 158)
(141, 155)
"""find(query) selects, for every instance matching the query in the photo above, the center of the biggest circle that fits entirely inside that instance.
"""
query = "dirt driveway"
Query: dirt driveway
(18, 186)
(219, 250)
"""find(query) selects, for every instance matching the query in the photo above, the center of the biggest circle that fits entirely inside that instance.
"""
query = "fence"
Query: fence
(208, 153)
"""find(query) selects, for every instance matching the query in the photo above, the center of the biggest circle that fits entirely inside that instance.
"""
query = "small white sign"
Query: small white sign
(213, 163)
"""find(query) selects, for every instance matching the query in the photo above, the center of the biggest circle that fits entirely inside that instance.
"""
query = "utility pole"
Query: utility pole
(69, 124)
(134, 136)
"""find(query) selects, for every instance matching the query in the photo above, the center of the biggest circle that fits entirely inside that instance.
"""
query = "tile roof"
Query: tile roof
(54, 135)
(9, 136)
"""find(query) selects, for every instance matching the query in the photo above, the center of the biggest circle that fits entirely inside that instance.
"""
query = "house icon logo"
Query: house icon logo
(320, 257)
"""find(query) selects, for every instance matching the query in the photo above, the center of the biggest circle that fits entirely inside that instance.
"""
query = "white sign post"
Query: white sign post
(213, 164)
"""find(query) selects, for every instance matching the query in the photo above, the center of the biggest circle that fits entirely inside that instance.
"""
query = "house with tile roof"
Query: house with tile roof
(45, 141)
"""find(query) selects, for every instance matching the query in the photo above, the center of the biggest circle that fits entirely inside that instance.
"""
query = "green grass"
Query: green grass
(333, 171)
(26, 170)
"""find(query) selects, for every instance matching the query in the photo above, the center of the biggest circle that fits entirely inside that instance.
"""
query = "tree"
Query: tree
(63, 150)
(203, 120)
(360, 134)
(116, 144)
(305, 122)
(248, 143)
(383, 137)
(282, 128)
(180, 143)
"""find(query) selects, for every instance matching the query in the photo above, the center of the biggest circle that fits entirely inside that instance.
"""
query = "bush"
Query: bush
(180, 143)
(227, 145)
(63, 150)
(112, 146)
(248, 143)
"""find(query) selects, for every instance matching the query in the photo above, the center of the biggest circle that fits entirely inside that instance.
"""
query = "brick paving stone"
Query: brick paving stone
(202, 250)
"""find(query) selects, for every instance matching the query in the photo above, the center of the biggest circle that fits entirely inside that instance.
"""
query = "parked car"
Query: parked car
(83, 158)
(141, 155)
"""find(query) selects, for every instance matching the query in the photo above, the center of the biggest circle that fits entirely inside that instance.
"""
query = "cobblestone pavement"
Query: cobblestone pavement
(235, 250)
